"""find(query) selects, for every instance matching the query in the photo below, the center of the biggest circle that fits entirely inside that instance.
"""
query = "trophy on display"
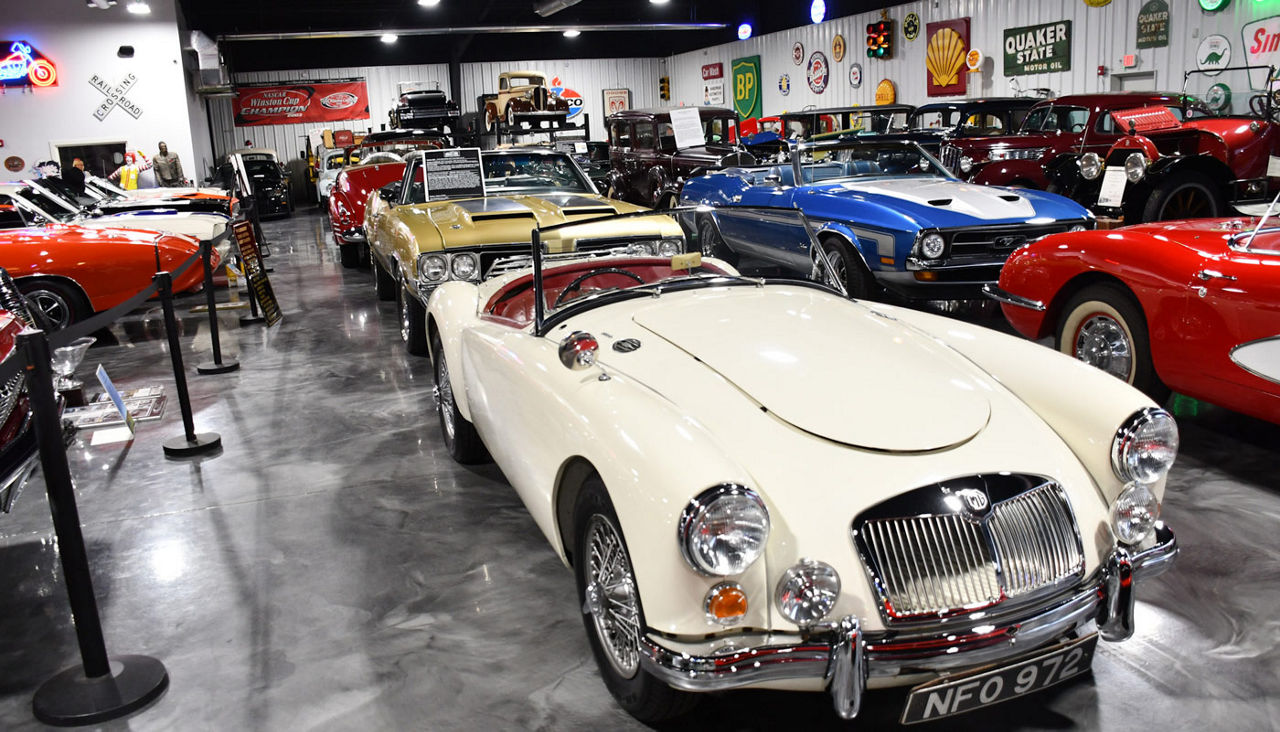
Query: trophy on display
(64, 363)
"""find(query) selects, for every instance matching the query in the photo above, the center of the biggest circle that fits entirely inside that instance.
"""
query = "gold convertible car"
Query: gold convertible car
(420, 239)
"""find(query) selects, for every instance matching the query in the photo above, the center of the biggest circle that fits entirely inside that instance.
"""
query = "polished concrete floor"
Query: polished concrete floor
(333, 569)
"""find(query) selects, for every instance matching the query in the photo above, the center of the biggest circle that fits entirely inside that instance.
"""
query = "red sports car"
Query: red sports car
(381, 162)
(70, 272)
(1192, 306)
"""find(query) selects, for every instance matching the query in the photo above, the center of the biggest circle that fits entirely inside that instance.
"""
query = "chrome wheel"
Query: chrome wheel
(54, 306)
(1102, 342)
(611, 597)
(839, 268)
(444, 396)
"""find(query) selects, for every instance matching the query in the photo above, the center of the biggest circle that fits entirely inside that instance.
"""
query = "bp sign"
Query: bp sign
(1035, 49)
(746, 87)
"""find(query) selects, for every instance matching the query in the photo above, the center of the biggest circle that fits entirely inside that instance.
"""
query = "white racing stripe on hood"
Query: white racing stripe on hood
(966, 198)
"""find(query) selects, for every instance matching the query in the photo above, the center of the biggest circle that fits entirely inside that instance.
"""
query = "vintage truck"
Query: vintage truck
(524, 100)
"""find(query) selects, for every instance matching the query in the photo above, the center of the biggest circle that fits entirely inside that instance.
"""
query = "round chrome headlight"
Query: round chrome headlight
(1135, 166)
(433, 267)
(1135, 513)
(1090, 165)
(464, 266)
(640, 249)
(670, 247)
(932, 246)
(1078, 227)
(807, 592)
(1144, 447)
(724, 530)
(966, 163)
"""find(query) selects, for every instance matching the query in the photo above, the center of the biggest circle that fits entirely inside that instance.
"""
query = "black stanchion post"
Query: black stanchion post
(190, 443)
(99, 689)
(218, 366)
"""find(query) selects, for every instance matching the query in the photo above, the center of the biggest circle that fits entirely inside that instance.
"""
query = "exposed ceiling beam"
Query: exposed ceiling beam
(586, 28)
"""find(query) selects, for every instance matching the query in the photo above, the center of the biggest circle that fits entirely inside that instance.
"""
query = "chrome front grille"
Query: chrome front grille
(951, 158)
(952, 558)
(987, 241)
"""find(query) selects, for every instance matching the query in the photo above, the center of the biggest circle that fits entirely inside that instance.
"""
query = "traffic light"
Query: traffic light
(880, 39)
(664, 88)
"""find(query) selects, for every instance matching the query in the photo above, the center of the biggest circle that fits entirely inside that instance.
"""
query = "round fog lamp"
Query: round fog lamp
(808, 592)
(433, 268)
(932, 246)
(1135, 166)
(1144, 448)
(463, 266)
(1090, 166)
(1135, 513)
(669, 247)
(726, 604)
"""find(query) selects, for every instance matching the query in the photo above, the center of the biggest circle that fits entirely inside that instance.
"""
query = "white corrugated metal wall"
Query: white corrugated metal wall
(287, 140)
(588, 77)
(1100, 37)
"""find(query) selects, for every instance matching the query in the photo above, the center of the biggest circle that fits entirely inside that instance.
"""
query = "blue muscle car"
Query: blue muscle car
(887, 214)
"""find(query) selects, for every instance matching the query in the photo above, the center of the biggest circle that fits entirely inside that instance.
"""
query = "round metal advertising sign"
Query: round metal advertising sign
(855, 76)
(837, 48)
(911, 27)
(784, 84)
(797, 53)
(819, 72)
(1214, 54)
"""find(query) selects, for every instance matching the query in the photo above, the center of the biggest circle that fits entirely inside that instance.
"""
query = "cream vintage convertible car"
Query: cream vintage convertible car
(419, 238)
(760, 483)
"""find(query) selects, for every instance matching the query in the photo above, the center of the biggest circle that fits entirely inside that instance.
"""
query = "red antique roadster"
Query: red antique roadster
(1192, 306)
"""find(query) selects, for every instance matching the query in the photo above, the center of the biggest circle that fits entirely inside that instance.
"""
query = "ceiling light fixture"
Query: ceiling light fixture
(428, 3)
(547, 8)
(138, 7)
(388, 37)
(817, 10)
(659, 2)
(572, 33)
(744, 31)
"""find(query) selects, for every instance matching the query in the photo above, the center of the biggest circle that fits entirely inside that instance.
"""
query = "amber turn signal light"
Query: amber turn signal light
(726, 604)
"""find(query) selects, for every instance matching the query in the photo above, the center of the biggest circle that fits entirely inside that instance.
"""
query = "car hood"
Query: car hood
(943, 203)
(502, 219)
(837, 371)
(198, 225)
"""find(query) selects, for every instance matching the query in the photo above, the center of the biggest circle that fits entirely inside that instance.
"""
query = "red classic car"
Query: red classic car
(380, 163)
(1167, 168)
(1071, 124)
(70, 272)
(1189, 306)
(18, 453)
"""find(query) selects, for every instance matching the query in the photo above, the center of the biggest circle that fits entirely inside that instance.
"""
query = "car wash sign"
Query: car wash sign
(1036, 49)
(1261, 47)
(286, 104)
(25, 66)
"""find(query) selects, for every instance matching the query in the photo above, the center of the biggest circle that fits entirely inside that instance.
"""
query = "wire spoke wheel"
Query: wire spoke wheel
(611, 597)
(444, 396)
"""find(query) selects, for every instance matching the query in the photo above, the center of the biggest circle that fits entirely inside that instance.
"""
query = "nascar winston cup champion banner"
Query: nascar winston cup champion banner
(286, 104)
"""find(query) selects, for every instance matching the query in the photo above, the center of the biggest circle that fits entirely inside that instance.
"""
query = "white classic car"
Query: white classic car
(760, 483)
(36, 204)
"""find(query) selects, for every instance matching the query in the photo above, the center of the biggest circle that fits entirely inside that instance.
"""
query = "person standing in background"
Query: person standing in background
(74, 176)
(168, 168)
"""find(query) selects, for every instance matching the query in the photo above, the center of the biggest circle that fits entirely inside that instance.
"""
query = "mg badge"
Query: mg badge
(1010, 242)
(975, 503)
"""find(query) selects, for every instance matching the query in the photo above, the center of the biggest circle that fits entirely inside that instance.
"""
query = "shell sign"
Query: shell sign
(944, 58)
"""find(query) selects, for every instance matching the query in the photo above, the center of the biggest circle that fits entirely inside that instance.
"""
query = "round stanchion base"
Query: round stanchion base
(182, 447)
(252, 319)
(71, 699)
(212, 367)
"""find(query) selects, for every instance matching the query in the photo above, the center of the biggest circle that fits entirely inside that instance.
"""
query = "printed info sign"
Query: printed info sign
(287, 104)
(453, 173)
(1036, 49)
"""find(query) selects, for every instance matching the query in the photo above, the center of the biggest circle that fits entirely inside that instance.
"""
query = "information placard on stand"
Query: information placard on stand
(256, 274)
(453, 173)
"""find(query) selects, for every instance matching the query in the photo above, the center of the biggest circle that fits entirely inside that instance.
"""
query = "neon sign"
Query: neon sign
(25, 66)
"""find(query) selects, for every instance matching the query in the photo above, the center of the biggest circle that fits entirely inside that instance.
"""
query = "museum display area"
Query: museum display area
(648, 365)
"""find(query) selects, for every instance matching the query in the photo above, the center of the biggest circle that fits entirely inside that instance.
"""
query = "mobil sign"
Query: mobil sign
(1261, 47)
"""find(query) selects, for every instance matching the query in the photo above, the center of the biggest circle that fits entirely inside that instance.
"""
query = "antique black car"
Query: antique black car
(649, 168)
(832, 122)
(932, 124)
(425, 109)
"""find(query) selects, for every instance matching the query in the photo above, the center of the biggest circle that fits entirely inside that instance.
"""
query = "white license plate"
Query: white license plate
(965, 692)
(1112, 193)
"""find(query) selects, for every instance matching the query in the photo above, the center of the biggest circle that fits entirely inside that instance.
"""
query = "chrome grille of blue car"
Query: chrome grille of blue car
(947, 560)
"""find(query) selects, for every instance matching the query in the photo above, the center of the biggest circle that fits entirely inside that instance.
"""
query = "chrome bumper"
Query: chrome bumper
(351, 236)
(1008, 298)
(844, 656)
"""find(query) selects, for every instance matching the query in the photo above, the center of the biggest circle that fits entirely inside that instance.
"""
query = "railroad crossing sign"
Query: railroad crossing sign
(115, 96)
